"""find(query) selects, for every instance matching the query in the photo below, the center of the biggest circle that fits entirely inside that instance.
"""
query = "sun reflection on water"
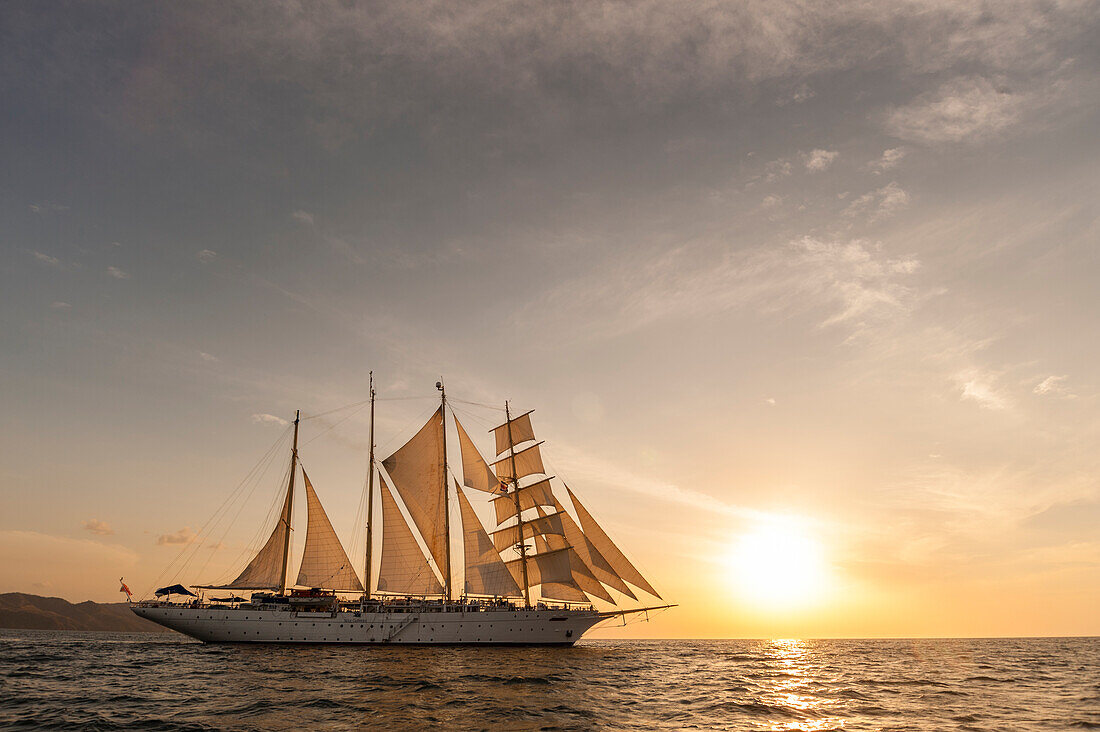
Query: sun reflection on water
(795, 675)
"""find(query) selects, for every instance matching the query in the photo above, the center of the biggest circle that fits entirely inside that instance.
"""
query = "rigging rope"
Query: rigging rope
(225, 505)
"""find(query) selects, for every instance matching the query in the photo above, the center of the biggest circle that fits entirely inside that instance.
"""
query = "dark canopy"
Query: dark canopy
(174, 590)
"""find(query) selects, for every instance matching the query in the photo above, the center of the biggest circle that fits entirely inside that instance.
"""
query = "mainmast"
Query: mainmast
(290, 503)
(370, 495)
(446, 497)
(519, 511)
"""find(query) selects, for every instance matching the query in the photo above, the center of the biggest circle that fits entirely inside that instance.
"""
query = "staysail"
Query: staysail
(416, 470)
(404, 569)
(603, 544)
(476, 473)
(324, 562)
(265, 571)
(485, 570)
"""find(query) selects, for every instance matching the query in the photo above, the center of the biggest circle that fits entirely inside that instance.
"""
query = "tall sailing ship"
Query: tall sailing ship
(537, 547)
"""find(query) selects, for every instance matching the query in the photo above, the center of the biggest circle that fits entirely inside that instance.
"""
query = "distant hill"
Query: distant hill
(31, 612)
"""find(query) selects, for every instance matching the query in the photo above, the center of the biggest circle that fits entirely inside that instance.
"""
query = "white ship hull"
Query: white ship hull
(426, 627)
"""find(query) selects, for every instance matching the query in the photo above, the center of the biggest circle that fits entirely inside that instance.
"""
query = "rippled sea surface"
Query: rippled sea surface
(65, 680)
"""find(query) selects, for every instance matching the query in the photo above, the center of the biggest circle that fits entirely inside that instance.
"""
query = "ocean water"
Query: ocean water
(105, 681)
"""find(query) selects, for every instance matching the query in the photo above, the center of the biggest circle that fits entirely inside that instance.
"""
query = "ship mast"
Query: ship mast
(519, 512)
(446, 497)
(290, 502)
(370, 495)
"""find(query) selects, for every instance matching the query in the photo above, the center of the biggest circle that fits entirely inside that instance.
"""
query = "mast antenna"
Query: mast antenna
(370, 496)
(290, 502)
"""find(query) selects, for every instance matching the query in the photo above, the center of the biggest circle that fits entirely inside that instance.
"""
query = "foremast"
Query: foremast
(519, 511)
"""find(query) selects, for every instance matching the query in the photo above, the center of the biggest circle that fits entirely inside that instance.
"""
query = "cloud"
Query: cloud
(183, 536)
(268, 419)
(799, 95)
(980, 387)
(889, 160)
(100, 528)
(818, 160)
(59, 305)
(841, 282)
(118, 274)
(47, 207)
(209, 358)
(777, 169)
(46, 259)
(966, 109)
(879, 204)
(206, 256)
(770, 400)
(302, 217)
(1053, 386)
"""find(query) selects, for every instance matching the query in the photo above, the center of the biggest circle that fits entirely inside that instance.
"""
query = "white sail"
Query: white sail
(324, 562)
(475, 471)
(404, 569)
(602, 542)
(527, 461)
(520, 429)
(583, 577)
(485, 570)
(416, 470)
(558, 566)
(590, 555)
(536, 494)
(570, 592)
(265, 571)
(510, 535)
(551, 566)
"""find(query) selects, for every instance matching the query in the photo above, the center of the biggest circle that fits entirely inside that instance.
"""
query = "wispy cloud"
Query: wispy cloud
(777, 169)
(206, 256)
(46, 259)
(880, 203)
(302, 217)
(118, 274)
(818, 160)
(965, 109)
(889, 160)
(849, 282)
(269, 419)
(60, 305)
(209, 358)
(47, 207)
(183, 536)
(981, 387)
(97, 527)
(1054, 386)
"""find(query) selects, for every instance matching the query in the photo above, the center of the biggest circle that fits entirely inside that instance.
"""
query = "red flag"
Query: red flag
(124, 588)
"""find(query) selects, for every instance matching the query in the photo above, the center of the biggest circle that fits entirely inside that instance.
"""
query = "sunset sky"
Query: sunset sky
(776, 277)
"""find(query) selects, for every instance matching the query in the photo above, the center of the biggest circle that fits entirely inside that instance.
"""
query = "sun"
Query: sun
(778, 565)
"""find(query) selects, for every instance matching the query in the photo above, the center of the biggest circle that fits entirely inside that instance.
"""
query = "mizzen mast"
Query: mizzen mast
(290, 503)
